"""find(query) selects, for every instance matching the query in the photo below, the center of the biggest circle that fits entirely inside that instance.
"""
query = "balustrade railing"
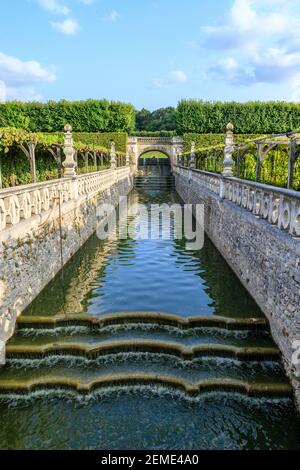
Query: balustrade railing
(23, 202)
(278, 206)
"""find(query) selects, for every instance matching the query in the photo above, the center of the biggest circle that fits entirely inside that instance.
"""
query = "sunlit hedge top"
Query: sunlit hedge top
(248, 118)
(84, 116)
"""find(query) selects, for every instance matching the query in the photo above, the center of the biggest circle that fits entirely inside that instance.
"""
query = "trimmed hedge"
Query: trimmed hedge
(153, 133)
(209, 140)
(84, 116)
(248, 118)
(103, 139)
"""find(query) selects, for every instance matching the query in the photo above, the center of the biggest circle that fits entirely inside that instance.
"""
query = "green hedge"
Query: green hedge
(15, 168)
(84, 116)
(208, 140)
(248, 118)
(153, 133)
(274, 169)
(103, 139)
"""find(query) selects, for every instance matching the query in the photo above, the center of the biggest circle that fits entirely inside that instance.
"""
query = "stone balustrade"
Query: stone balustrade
(23, 202)
(280, 207)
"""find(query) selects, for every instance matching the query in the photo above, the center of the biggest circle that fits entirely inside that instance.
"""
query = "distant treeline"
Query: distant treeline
(190, 116)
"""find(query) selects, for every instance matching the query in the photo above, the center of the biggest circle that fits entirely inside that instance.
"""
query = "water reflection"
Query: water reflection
(148, 275)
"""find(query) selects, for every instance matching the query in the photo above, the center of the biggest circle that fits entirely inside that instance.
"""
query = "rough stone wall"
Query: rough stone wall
(266, 260)
(30, 256)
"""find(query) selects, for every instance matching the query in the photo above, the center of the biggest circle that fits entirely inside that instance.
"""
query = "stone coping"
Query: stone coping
(203, 386)
(137, 345)
(216, 321)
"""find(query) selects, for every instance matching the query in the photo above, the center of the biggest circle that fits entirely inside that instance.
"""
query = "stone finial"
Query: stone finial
(230, 127)
(228, 151)
(113, 156)
(68, 128)
(193, 154)
(69, 151)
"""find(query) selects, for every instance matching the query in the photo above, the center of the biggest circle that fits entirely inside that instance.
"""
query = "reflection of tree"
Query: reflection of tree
(84, 272)
(88, 270)
(221, 284)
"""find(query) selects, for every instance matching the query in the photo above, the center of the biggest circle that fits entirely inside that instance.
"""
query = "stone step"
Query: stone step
(158, 318)
(102, 348)
(93, 336)
(87, 382)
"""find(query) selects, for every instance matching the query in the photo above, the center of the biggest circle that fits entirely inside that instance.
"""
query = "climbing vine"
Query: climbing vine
(274, 166)
(15, 166)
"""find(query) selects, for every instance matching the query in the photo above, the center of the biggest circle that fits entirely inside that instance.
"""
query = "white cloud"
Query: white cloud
(18, 72)
(69, 27)
(54, 6)
(262, 38)
(113, 16)
(18, 77)
(175, 77)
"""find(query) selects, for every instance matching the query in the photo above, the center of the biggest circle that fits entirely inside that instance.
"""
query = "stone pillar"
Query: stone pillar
(193, 154)
(228, 151)
(69, 151)
(113, 156)
(127, 159)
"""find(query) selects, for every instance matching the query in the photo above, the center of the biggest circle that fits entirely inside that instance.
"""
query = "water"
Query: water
(146, 275)
(142, 418)
(40, 407)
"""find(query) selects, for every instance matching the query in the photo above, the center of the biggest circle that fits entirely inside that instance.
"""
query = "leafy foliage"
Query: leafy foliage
(154, 133)
(163, 119)
(209, 157)
(248, 118)
(84, 116)
(15, 167)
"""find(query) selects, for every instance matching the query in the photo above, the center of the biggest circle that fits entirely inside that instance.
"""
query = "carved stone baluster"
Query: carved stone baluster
(69, 151)
(228, 152)
(113, 156)
(192, 156)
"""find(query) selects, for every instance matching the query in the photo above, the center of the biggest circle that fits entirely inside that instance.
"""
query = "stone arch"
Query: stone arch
(155, 149)
(170, 146)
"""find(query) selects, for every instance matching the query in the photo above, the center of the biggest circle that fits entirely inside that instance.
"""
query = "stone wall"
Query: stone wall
(265, 258)
(30, 251)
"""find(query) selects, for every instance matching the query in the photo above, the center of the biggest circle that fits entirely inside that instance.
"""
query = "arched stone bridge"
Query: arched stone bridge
(170, 146)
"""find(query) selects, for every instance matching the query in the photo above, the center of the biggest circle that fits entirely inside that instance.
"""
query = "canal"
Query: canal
(112, 355)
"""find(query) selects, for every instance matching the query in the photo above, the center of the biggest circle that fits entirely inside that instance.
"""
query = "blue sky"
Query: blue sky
(150, 52)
